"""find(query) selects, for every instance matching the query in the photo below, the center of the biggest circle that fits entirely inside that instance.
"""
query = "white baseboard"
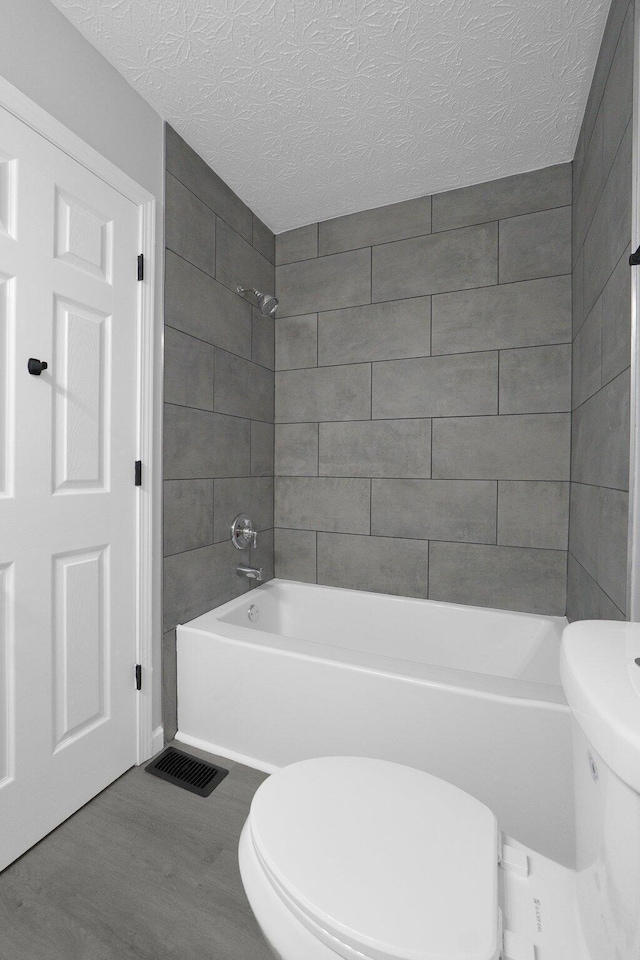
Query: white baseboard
(157, 740)
(222, 752)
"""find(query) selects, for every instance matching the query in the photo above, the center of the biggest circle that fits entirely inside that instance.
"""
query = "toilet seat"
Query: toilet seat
(379, 860)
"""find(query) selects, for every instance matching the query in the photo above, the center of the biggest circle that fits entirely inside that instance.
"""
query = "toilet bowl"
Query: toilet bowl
(370, 860)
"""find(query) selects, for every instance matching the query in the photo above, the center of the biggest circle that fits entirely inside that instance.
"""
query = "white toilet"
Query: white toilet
(369, 860)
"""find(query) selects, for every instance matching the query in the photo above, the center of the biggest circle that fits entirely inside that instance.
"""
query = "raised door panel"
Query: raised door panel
(80, 444)
(8, 189)
(83, 236)
(7, 674)
(80, 646)
(7, 334)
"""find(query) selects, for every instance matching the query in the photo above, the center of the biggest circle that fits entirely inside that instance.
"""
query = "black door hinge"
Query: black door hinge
(138, 473)
(138, 676)
(141, 266)
(634, 259)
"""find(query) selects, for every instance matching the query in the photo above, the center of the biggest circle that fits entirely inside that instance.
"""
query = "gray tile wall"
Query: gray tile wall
(423, 396)
(219, 396)
(597, 572)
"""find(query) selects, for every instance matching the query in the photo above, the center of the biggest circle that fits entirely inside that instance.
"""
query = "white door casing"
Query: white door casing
(70, 519)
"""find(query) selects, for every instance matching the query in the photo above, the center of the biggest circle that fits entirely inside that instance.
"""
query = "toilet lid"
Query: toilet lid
(381, 858)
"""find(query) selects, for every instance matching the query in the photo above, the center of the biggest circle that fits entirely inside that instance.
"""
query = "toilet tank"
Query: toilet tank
(601, 680)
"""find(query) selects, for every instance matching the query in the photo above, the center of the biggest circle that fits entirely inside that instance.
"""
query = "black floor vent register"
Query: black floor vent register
(186, 771)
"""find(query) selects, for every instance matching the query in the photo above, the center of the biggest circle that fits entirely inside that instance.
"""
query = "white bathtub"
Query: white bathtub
(470, 694)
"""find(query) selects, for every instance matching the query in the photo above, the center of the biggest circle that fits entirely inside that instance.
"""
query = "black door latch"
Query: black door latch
(634, 259)
(35, 367)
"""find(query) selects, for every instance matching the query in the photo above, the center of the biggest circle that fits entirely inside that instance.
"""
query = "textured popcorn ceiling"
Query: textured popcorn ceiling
(311, 109)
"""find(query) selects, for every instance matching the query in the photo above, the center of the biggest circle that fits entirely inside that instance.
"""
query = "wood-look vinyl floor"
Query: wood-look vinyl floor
(145, 871)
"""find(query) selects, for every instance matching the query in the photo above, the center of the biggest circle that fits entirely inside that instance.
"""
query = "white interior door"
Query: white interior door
(68, 296)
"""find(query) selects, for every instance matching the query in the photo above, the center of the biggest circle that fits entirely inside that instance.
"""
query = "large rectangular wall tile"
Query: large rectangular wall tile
(188, 370)
(376, 448)
(187, 515)
(610, 228)
(598, 540)
(261, 449)
(616, 320)
(379, 331)
(508, 197)
(199, 444)
(533, 514)
(377, 564)
(536, 379)
(200, 306)
(251, 495)
(600, 437)
(298, 244)
(242, 388)
(190, 226)
(264, 240)
(613, 28)
(262, 556)
(326, 283)
(509, 578)
(238, 262)
(521, 447)
(589, 187)
(587, 357)
(198, 581)
(536, 245)
(296, 449)
(295, 555)
(185, 164)
(577, 294)
(323, 503)
(396, 221)
(297, 342)
(436, 386)
(455, 260)
(435, 509)
(325, 393)
(526, 314)
(617, 102)
(585, 599)
(263, 340)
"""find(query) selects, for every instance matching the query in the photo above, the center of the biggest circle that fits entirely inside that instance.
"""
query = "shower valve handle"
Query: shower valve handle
(243, 532)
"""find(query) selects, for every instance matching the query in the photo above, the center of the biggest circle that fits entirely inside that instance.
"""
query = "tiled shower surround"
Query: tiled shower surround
(597, 581)
(424, 400)
(218, 420)
(423, 396)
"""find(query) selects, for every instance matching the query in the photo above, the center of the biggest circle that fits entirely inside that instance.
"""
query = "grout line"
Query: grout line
(601, 192)
(386, 536)
(412, 479)
(600, 389)
(428, 416)
(239, 356)
(428, 567)
(436, 293)
(417, 236)
(593, 580)
(424, 356)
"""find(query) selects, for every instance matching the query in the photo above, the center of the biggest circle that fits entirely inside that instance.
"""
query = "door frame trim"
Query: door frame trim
(30, 113)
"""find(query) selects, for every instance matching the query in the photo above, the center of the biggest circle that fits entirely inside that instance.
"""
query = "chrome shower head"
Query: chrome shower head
(266, 303)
